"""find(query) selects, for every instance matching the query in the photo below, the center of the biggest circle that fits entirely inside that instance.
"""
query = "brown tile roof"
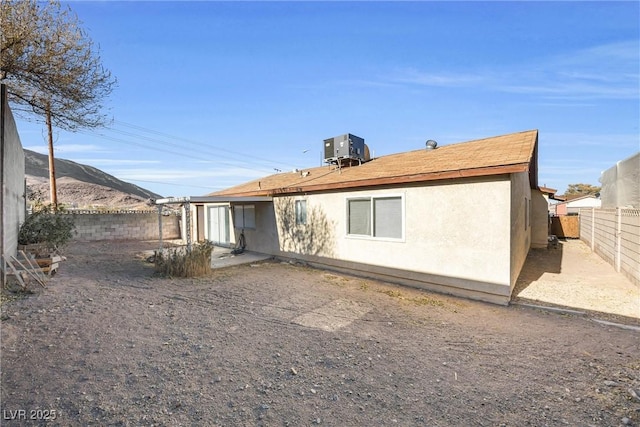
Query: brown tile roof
(547, 190)
(515, 152)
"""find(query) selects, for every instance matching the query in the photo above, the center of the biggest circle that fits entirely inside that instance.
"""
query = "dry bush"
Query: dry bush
(178, 262)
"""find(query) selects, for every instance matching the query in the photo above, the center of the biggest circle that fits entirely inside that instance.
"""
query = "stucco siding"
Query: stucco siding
(264, 237)
(467, 237)
(521, 223)
(539, 220)
(261, 238)
(455, 235)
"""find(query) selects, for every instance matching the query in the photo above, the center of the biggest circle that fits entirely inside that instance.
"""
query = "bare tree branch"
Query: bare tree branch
(52, 69)
(47, 59)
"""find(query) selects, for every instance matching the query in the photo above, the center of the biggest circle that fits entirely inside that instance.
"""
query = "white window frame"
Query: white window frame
(371, 199)
(242, 218)
(301, 214)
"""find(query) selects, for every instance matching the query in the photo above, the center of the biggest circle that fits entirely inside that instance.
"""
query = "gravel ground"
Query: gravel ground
(274, 344)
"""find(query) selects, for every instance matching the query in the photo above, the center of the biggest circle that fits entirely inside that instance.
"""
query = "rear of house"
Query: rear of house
(458, 219)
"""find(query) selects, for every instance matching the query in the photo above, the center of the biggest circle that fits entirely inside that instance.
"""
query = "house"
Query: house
(12, 183)
(457, 219)
(572, 205)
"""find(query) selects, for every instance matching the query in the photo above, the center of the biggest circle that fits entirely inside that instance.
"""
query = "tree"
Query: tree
(581, 190)
(52, 70)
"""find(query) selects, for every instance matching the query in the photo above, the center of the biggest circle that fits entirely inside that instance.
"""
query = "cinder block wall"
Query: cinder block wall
(614, 234)
(12, 186)
(124, 226)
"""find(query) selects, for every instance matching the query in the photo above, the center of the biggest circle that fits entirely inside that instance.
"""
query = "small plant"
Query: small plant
(178, 262)
(393, 294)
(51, 229)
(427, 301)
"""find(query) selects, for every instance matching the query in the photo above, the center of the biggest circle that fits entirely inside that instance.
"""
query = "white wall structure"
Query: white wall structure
(444, 246)
(457, 219)
(574, 206)
(468, 238)
(621, 184)
(12, 199)
(540, 219)
(614, 234)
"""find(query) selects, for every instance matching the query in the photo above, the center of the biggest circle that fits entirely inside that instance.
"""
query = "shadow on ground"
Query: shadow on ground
(539, 262)
(570, 277)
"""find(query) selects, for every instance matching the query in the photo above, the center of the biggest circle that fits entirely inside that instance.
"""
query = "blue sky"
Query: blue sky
(212, 94)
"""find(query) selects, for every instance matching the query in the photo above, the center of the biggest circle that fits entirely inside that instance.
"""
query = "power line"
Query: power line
(208, 147)
(171, 183)
(155, 148)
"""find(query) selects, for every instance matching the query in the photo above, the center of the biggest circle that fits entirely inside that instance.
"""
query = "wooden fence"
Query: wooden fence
(614, 234)
(566, 226)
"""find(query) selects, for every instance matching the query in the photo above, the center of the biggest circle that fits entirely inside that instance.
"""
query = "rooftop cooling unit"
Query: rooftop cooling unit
(345, 148)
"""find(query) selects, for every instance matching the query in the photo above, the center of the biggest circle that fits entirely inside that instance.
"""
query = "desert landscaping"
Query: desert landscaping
(277, 343)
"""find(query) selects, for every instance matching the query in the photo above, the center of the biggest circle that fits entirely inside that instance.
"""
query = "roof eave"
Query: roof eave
(396, 180)
(216, 199)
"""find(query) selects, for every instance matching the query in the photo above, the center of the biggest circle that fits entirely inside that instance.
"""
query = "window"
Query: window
(244, 216)
(380, 217)
(301, 212)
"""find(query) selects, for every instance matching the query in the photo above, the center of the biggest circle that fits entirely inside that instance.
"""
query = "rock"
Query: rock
(626, 421)
(610, 383)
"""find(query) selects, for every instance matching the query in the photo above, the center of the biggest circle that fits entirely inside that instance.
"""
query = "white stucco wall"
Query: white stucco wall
(457, 237)
(539, 219)
(521, 223)
(468, 237)
(263, 238)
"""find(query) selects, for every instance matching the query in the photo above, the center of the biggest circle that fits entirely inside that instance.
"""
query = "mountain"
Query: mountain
(81, 185)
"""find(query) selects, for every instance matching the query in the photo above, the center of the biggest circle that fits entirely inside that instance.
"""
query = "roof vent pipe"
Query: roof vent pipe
(431, 144)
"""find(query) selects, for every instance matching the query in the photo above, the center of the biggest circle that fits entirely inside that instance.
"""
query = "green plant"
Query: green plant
(52, 229)
(178, 262)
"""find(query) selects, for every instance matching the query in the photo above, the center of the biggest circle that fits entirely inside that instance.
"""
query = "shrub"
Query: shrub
(178, 262)
(47, 227)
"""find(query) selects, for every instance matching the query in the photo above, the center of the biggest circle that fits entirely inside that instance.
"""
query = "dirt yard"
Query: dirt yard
(278, 344)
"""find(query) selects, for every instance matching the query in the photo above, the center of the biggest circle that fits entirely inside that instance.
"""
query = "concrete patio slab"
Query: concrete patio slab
(223, 257)
(572, 277)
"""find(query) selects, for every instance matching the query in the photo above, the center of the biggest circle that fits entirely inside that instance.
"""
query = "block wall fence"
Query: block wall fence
(136, 225)
(614, 234)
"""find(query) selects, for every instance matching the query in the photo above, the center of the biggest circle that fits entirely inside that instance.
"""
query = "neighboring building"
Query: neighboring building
(621, 184)
(12, 182)
(458, 219)
(572, 206)
(549, 195)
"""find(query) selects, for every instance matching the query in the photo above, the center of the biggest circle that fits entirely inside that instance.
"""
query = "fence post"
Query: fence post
(160, 224)
(618, 238)
(593, 229)
(187, 220)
